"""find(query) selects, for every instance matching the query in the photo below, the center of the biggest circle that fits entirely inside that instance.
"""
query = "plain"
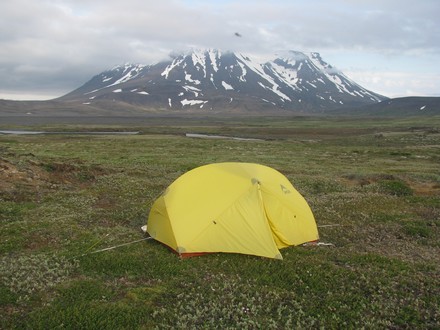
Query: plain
(373, 185)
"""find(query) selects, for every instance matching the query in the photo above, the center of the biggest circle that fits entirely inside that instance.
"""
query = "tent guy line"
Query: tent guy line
(115, 246)
(144, 229)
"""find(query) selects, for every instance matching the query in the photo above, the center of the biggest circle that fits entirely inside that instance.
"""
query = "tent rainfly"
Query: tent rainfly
(231, 207)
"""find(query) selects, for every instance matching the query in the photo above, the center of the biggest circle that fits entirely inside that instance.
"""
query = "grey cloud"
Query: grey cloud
(63, 43)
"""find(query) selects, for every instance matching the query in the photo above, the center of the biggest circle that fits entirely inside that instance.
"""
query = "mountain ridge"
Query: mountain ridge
(215, 80)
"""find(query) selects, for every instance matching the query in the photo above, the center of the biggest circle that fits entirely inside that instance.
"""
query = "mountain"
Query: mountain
(401, 106)
(215, 80)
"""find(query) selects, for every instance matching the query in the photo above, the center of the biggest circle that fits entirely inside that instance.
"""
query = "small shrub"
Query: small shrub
(417, 230)
(395, 187)
(228, 302)
(25, 275)
(102, 315)
(10, 211)
(318, 186)
(6, 296)
(82, 291)
(49, 167)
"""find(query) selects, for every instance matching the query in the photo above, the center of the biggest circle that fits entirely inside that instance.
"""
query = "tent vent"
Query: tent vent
(284, 189)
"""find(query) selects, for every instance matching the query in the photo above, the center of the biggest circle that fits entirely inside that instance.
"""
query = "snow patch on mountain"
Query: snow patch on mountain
(214, 57)
(243, 72)
(227, 86)
(193, 102)
(289, 76)
(198, 59)
(258, 69)
(175, 63)
(192, 89)
(189, 79)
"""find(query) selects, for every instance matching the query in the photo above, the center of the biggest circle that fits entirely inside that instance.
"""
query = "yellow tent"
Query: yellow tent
(231, 207)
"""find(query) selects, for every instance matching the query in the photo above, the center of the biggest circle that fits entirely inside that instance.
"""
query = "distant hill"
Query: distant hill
(212, 80)
(403, 106)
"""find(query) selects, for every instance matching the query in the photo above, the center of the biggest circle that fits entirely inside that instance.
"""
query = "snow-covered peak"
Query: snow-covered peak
(197, 52)
(204, 77)
(203, 60)
(129, 67)
(292, 55)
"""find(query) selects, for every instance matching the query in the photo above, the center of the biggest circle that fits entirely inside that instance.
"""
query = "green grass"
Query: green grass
(377, 181)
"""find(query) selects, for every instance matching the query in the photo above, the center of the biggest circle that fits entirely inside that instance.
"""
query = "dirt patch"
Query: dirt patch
(23, 177)
(426, 188)
(14, 176)
(105, 202)
(417, 188)
(71, 173)
(361, 180)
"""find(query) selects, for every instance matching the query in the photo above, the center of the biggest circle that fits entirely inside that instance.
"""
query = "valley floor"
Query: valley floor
(372, 184)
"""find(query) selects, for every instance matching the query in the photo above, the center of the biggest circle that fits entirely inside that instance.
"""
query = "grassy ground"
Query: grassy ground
(62, 196)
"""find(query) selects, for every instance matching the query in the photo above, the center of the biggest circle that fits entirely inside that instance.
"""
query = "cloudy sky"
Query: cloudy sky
(50, 47)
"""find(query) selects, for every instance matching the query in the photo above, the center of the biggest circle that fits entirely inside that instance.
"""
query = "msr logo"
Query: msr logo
(284, 189)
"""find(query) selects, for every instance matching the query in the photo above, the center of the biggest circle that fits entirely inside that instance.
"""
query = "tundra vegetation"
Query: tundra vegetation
(376, 181)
